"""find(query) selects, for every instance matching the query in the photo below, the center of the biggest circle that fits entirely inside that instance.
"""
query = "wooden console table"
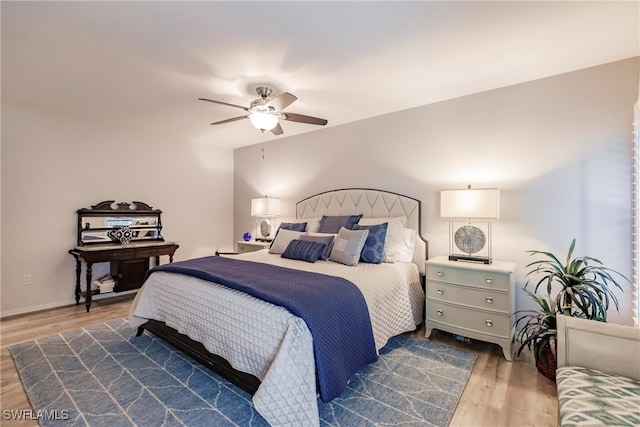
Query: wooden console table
(126, 235)
(129, 263)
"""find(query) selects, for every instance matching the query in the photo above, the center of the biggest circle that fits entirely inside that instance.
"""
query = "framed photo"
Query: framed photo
(470, 240)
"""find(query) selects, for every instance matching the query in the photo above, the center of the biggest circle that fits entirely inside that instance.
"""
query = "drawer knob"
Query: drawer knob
(440, 312)
(489, 300)
(440, 291)
(488, 280)
(439, 273)
(488, 322)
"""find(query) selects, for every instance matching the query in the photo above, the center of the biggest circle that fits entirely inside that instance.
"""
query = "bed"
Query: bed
(269, 350)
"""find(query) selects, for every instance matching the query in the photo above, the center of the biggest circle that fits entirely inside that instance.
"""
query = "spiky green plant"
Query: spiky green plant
(537, 328)
(585, 284)
(581, 287)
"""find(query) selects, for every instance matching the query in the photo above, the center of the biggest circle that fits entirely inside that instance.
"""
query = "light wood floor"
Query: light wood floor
(499, 393)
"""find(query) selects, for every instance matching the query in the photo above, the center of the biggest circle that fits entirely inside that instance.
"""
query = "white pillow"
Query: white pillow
(393, 241)
(348, 245)
(282, 240)
(313, 224)
(407, 245)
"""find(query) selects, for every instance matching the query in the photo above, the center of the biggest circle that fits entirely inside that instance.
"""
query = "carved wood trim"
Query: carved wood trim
(108, 206)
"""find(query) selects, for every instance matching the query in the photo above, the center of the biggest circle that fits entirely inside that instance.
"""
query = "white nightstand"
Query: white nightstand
(251, 246)
(472, 300)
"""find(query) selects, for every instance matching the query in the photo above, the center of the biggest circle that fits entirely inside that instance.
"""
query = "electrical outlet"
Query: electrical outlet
(26, 280)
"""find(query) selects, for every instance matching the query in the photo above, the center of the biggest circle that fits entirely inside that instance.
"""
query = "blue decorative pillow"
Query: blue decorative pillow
(374, 245)
(304, 250)
(295, 226)
(333, 224)
(326, 240)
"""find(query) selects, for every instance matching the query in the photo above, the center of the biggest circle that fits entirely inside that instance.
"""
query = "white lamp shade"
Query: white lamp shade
(265, 207)
(470, 203)
(263, 121)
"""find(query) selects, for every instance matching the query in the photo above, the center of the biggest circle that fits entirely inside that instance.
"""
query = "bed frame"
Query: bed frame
(349, 201)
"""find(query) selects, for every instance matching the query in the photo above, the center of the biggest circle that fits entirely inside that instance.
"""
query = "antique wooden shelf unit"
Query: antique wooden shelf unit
(127, 235)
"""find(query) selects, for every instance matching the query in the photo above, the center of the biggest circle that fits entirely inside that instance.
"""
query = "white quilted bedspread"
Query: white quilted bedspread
(266, 340)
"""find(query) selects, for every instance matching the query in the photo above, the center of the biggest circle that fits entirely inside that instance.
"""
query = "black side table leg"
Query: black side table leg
(78, 270)
(88, 297)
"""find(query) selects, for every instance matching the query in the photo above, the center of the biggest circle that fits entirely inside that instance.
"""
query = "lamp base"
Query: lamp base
(483, 260)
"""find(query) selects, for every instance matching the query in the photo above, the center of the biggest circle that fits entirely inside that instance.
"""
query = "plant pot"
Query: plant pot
(546, 361)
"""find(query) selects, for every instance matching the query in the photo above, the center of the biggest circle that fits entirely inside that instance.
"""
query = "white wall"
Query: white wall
(558, 148)
(53, 165)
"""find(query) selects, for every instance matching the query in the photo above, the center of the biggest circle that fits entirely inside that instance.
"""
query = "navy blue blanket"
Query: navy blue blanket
(332, 307)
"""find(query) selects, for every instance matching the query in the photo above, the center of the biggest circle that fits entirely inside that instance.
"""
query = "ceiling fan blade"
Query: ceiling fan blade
(277, 130)
(221, 122)
(293, 117)
(224, 103)
(281, 101)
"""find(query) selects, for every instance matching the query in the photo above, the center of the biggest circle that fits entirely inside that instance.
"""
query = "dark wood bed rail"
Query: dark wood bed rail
(217, 364)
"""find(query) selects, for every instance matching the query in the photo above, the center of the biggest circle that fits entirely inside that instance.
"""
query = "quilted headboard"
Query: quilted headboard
(370, 203)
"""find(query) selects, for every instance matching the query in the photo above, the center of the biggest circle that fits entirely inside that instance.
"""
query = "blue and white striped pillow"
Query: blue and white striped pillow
(304, 250)
(333, 224)
(326, 239)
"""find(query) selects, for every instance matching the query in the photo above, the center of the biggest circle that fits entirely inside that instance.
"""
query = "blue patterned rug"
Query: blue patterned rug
(103, 375)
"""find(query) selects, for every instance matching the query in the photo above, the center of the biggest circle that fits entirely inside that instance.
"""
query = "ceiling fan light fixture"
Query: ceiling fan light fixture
(263, 121)
(265, 113)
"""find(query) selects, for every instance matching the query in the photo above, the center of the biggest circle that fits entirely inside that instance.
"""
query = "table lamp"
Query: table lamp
(470, 240)
(266, 208)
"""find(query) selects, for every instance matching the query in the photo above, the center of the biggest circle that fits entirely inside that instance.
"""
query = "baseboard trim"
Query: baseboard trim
(63, 304)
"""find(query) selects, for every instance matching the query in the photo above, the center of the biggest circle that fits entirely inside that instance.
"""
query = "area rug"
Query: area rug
(103, 375)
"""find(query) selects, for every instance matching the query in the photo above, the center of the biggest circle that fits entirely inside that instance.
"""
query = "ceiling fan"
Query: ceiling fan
(265, 114)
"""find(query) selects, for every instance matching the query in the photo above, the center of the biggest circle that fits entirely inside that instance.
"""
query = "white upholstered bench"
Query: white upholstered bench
(598, 376)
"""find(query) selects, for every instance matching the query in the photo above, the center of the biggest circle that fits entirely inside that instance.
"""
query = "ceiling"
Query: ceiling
(142, 65)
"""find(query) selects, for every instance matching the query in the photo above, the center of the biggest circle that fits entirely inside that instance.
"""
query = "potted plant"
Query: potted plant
(580, 287)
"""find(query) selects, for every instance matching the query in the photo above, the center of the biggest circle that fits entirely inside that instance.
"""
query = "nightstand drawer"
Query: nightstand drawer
(465, 318)
(468, 277)
(484, 299)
